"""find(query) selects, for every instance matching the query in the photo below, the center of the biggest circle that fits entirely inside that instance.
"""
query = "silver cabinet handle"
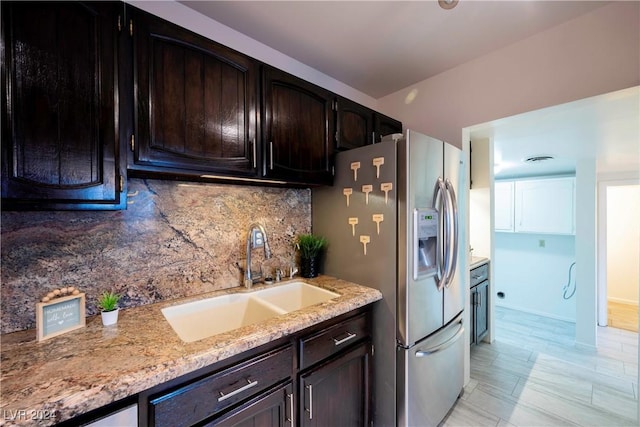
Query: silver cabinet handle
(310, 410)
(349, 336)
(271, 155)
(291, 418)
(255, 160)
(224, 396)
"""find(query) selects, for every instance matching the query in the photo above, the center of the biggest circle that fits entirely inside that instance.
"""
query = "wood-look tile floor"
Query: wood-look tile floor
(622, 316)
(533, 375)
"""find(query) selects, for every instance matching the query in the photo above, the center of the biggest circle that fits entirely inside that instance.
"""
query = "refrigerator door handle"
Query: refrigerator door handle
(440, 347)
(452, 238)
(439, 203)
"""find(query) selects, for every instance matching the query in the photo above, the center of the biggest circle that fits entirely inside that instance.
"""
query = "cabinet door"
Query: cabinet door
(195, 101)
(60, 146)
(354, 124)
(384, 125)
(504, 206)
(336, 393)
(274, 409)
(545, 206)
(298, 129)
(191, 403)
(481, 312)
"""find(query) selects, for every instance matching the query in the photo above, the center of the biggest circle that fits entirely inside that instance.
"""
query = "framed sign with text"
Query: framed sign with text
(59, 316)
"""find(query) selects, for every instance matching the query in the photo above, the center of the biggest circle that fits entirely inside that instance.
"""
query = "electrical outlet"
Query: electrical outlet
(541, 243)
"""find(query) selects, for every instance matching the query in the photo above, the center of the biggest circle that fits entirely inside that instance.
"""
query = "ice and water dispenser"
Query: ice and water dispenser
(425, 239)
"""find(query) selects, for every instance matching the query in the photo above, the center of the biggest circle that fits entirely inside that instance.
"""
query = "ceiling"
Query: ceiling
(380, 47)
(605, 128)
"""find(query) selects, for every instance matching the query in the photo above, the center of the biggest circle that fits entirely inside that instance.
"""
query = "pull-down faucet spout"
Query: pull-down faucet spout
(256, 238)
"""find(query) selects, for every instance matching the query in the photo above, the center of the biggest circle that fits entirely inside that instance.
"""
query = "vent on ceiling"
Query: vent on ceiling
(537, 159)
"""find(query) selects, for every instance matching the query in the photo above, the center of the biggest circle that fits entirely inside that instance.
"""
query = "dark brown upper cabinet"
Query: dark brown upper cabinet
(297, 129)
(354, 124)
(384, 125)
(195, 103)
(357, 125)
(60, 146)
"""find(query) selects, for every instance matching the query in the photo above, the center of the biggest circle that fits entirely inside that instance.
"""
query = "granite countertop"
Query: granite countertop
(88, 368)
(477, 261)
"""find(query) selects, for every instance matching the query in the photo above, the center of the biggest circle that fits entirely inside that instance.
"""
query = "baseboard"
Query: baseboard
(538, 313)
(622, 301)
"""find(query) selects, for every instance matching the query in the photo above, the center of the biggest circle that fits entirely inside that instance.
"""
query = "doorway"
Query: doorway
(619, 257)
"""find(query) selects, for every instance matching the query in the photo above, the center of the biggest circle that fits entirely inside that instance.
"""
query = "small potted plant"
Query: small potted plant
(108, 305)
(310, 248)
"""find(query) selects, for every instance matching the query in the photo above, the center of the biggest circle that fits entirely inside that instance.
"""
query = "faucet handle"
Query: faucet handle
(293, 271)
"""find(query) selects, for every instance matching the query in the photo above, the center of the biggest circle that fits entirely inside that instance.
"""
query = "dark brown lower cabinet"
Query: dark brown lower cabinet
(319, 376)
(336, 393)
(276, 408)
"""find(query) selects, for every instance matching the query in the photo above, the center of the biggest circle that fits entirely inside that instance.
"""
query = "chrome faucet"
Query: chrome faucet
(256, 238)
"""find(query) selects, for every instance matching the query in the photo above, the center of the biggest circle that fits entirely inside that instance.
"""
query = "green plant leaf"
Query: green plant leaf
(108, 301)
(310, 245)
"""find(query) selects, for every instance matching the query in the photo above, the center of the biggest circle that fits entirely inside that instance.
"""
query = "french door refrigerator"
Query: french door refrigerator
(391, 222)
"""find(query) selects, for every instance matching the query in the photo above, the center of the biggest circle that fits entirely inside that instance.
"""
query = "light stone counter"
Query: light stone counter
(88, 368)
(477, 261)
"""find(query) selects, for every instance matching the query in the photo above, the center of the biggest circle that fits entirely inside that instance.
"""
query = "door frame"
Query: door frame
(604, 183)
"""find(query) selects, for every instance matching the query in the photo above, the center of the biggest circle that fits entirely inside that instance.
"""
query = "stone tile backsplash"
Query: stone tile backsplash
(175, 239)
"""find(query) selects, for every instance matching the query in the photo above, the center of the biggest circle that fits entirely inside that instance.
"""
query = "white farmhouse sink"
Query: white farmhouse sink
(196, 320)
(295, 296)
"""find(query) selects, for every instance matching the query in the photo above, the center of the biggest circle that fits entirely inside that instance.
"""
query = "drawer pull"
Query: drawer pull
(310, 410)
(247, 386)
(255, 160)
(291, 410)
(271, 155)
(349, 336)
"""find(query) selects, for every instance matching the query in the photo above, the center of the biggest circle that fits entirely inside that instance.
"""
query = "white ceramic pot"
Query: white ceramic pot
(110, 317)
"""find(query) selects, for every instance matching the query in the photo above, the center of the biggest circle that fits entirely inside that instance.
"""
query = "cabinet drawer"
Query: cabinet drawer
(479, 274)
(323, 344)
(197, 401)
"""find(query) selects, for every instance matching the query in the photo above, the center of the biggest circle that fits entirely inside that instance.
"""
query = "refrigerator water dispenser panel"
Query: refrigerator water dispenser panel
(425, 239)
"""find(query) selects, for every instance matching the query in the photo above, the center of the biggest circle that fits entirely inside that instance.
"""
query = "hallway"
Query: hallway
(533, 375)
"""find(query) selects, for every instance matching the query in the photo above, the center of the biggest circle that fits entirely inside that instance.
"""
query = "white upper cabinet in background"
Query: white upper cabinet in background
(544, 206)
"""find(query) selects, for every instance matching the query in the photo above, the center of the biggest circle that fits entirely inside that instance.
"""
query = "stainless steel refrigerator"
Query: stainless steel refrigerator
(392, 223)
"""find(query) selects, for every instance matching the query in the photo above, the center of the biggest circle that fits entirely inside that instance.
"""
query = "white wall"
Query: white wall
(594, 54)
(586, 244)
(623, 243)
(480, 197)
(198, 23)
(533, 277)
(480, 221)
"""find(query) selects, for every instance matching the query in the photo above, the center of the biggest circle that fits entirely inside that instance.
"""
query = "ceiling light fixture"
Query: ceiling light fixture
(448, 4)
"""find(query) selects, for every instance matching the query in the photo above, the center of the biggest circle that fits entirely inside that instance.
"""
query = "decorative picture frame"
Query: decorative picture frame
(60, 316)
